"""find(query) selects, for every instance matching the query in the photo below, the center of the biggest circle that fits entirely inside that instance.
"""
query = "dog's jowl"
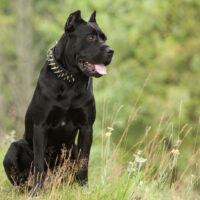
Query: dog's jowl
(62, 105)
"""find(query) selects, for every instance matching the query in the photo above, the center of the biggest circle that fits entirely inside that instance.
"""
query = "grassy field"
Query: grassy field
(147, 172)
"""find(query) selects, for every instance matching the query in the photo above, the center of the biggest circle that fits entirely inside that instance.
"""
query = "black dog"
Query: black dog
(63, 104)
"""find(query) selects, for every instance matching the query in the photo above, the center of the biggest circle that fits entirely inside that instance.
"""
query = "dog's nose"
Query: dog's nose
(110, 51)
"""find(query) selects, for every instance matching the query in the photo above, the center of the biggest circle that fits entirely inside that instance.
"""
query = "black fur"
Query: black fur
(58, 110)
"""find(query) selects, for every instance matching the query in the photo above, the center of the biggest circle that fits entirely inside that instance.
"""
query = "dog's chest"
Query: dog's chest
(59, 118)
(63, 125)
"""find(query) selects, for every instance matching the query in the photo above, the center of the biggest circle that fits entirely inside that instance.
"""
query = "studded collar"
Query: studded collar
(57, 69)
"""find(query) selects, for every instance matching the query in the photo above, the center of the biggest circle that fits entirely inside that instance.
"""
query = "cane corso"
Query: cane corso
(63, 104)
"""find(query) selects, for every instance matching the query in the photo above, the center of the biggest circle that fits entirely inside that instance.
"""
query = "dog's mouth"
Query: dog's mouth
(90, 69)
(99, 68)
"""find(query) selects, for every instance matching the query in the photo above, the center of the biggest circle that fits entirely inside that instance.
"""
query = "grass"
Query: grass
(147, 171)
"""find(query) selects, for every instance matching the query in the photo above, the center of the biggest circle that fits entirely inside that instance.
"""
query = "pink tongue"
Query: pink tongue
(101, 69)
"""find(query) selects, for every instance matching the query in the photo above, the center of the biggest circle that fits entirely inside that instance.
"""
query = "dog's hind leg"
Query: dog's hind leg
(17, 162)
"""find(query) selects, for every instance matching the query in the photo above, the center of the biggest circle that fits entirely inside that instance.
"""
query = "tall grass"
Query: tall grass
(151, 172)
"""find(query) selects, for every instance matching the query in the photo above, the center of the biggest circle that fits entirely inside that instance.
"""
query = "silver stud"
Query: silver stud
(57, 72)
(53, 68)
(73, 79)
(67, 77)
(52, 64)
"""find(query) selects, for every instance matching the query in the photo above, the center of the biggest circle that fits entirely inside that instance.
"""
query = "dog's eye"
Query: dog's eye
(90, 37)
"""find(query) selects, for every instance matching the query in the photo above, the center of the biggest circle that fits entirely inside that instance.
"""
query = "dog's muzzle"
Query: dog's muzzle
(96, 70)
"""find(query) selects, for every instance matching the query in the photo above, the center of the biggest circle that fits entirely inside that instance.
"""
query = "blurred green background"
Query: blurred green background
(155, 69)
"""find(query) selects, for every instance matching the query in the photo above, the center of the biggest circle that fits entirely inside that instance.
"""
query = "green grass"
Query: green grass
(144, 175)
(150, 170)
(120, 186)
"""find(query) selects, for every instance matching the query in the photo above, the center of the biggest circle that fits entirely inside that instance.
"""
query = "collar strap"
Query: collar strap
(58, 70)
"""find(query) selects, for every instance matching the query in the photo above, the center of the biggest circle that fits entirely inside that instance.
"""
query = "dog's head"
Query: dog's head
(85, 47)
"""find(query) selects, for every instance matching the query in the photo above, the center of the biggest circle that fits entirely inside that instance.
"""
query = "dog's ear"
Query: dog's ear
(73, 20)
(93, 17)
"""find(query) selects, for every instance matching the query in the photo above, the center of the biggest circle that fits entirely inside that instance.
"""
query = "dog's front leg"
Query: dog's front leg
(84, 145)
(38, 149)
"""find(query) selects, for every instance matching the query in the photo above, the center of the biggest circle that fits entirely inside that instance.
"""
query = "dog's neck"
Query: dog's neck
(59, 64)
(57, 69)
